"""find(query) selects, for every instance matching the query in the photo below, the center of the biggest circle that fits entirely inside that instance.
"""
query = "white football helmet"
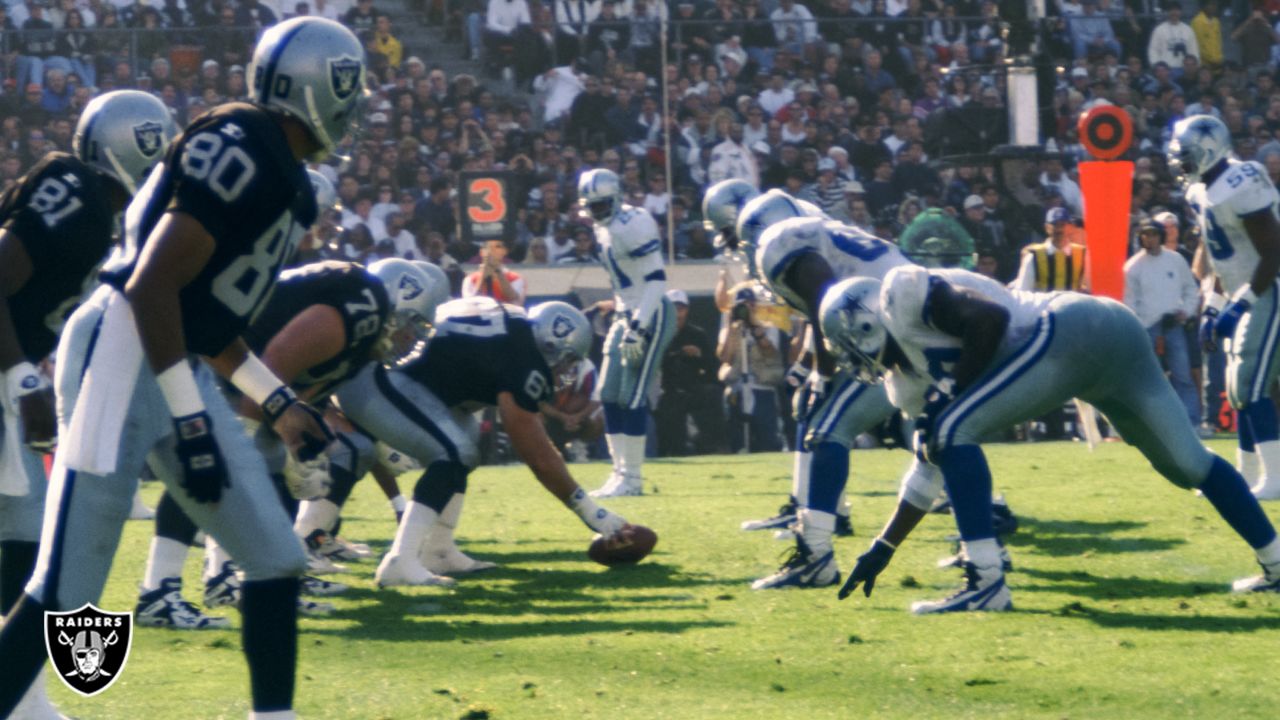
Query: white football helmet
(1198, 144)
(851, 326)
(124, 134)
(313, 70)
(563, 335)
(438, 286)
(413, 306)
(720, 207)
(757, 215)
(600, 194)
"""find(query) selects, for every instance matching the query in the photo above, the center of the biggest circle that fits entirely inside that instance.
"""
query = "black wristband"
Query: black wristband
(277, 402)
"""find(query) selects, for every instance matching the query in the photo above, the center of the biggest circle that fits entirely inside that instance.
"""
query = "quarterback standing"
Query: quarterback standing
(644, 324)
(1236, 207)
(205, 238)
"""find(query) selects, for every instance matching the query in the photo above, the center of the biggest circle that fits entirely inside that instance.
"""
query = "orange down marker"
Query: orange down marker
(1107, 184)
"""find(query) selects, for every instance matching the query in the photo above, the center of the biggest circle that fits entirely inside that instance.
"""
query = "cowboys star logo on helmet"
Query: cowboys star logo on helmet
(344, 72)
(149, 136)
(88, 647)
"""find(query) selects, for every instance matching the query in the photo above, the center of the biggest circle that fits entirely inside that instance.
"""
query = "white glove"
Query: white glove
(307, 480)
(20, 381)
(634, 341)
(606, 523)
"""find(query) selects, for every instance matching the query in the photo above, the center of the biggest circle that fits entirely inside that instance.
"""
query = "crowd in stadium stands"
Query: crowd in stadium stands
(841, 102)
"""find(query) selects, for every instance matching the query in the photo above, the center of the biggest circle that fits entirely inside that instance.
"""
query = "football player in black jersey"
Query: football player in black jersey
(205, 238)
(56, 226)
(481, 353)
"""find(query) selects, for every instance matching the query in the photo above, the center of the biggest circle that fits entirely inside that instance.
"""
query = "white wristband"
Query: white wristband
(255, 379)
(1246, 294)
(22, 379)
(1215, 301)
(178, 385)
(398, 504)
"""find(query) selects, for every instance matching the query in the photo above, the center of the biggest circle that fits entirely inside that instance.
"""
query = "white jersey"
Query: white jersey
(905, 310)
(632, 253)
(1243, 189)
(849, 251)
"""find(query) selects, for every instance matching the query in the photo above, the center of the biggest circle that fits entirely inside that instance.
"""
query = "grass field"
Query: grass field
(1121, 588)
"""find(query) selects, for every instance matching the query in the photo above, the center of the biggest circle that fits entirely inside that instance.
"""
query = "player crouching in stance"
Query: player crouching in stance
(1236, 207)
(205, 238)
(967, 358)
(57, 225)
(481, 353)
(643, 326)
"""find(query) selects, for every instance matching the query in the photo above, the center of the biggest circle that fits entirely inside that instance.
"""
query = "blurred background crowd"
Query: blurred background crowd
(879, 111)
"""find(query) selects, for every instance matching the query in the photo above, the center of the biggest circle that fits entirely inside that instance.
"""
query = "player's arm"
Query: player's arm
(1264, 232)
(920, 487)
(531, 444)
(978, 322)
(314, 336)
(809, 275)
(23, 383)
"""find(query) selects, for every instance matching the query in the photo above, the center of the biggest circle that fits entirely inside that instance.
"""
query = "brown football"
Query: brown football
(629, 545)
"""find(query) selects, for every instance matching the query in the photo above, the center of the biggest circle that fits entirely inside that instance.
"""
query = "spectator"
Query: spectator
(493, 279)
(1256, 38)
(586, 122)
(689, 389)
(78, 46)
(913, 175)
(361, 17)
(436, 212)
(827, 191)
(1055, 177)
(607, 36)
(1172, 40)
(1091, 33)
(252, 13)
(758, 37)
(574, 417)
(36, 43)
(560, 87)
(777, 95)
(794, 27)
(987, 236)
(752, 365)
(732, 159)
(1208, 31)
(573, 20)
(1162, 292)
(502, 24)
(584, 247)
(386, 44)
(1055, 264)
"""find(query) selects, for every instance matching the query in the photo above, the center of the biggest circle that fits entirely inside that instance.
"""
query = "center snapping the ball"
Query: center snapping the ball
(628, 546)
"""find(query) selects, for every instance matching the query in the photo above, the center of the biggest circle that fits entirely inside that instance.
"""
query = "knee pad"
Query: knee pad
(440, 482)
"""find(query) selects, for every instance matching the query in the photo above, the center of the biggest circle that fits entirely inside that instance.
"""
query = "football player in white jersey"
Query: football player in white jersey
(1236, 207)
(968, 357)
(644, 323)
(798, 258)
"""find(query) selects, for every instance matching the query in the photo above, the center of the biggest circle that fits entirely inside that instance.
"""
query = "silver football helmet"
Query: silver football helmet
(720, 207)
(1198, 144)
(757, 215)
(311, 69)
(124, 134)
(562, 332)
(413, 306)
(600, 194)
(438, 285)
(851, 326)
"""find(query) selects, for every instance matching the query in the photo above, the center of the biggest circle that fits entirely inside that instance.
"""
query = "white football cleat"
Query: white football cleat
(618, 485)
(452, 561)
(317, 587)
(352, 550)
(224, 588)
(1267, 489)
(400, 570)
(984, 589)
(803, 568)
(1268, 581)
(318, 564)
(165, 607)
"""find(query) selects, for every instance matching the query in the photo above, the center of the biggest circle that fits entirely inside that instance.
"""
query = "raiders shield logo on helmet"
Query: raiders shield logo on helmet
(561, 327)
(343, 75)
(149, 136)
(88, 647)
(410, 288)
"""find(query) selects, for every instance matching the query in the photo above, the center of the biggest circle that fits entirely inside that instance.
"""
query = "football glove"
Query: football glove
(204, 474)
(634, 341)
(27, 395)
(1224, 328)
(1208, 329)
(606, 523)
(936, 399)
(796, 375)
(869, 566)
(305, 425)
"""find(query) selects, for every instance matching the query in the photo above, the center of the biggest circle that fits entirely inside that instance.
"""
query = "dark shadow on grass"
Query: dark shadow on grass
(1066, 538)
(1188, 622)
(414, 629)
(1098, 587)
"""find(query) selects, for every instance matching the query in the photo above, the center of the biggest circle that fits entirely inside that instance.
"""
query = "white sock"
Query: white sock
(842, 505)
(164, 560)
(417, 520)
(273, 715)
(1269, 554)
(1248, 465)
(1269, 459)
(800, 471)
(614, 441)
(816, 527)
(440, 536)
(315, 515)
(983, 553)
(214, 557)
(633, 456)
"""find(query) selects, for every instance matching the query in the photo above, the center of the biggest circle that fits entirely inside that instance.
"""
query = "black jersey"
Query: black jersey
(61, 214)
(232, 171)
(344, 286)
(481, 348)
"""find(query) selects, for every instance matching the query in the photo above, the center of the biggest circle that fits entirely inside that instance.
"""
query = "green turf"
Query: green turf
(1120, 588)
